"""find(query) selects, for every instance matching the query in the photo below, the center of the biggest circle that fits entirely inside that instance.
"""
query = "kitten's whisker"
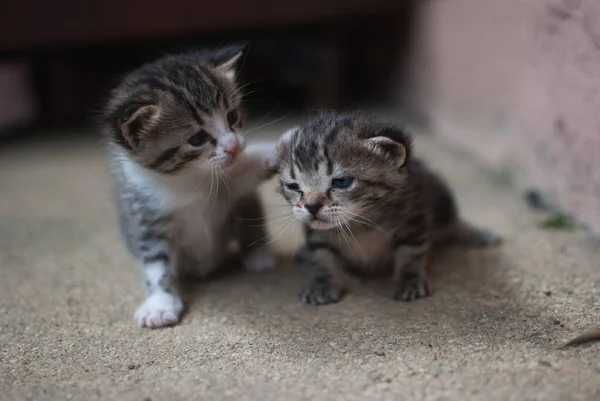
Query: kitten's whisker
(339, 232)
(356, 220)
(252, 83)
(280, 232)
(366, 220)
(278, 219)
(269, 123)
(242, 95)
(233, 180)
(263, 218)
(210, 190)
(296, 231)
(270, 221)
(257, 225)
(361, 222)
(345, 222)
(262, 120)
(238, 91)
(225, 176)
(197, 184)
(279, 222)
(351, 237)
(345, 236)
(217, 179)
(216, 196)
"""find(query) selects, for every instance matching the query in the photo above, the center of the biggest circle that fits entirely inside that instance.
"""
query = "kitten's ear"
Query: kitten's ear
(226, 60)
(393, 143)
(285, 141)
(135, 121)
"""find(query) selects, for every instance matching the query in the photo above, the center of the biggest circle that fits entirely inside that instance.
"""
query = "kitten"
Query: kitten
(184, 184)
(368, 206)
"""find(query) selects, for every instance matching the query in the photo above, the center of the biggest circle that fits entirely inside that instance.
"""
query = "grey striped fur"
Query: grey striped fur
(385, 222)
(183, 186)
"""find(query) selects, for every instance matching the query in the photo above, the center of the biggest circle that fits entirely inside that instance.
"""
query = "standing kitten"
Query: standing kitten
(368, 206)
(182, 179)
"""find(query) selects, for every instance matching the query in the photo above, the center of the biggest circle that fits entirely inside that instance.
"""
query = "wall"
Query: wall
(17, 105)
(517, 82)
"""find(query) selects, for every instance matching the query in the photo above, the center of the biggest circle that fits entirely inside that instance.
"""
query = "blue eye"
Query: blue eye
(342, 183)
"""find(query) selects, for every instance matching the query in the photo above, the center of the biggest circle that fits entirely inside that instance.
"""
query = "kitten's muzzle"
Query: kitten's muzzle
(232, 147)
(313, 208)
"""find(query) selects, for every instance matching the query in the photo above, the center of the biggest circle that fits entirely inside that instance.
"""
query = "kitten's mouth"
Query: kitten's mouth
(320, 224)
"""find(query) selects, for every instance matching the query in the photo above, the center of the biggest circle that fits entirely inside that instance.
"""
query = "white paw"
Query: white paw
(159, 310)
(259, 260)
(271, 162)
(266, 152)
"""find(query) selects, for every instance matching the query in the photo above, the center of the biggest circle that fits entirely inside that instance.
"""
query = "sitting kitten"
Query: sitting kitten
(367, 205)
(184, 186)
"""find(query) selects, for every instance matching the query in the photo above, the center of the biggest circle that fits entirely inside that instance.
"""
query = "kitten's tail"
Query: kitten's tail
(467, 234)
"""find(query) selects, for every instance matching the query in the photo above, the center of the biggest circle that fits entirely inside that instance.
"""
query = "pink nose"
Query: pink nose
(232, 146)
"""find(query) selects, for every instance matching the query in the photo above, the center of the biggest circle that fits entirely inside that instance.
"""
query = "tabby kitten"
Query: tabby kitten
(184, 184)
(368, 206)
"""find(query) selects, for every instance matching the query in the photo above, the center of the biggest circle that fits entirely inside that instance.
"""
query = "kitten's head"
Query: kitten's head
(342, 169)
(180, 113)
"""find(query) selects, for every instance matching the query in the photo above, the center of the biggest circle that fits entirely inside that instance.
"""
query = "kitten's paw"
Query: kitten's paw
(271, 160)
(322, 292)
(266, 152)
(412, 288)
(260, 260)
(159, 310)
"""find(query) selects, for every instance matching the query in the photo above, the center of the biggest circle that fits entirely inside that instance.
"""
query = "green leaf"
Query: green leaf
(558, 221)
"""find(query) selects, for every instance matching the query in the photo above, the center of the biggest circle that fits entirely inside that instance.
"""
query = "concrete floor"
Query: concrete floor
(68, 291)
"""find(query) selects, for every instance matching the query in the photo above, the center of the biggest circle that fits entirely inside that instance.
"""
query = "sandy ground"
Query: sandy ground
(68, 291)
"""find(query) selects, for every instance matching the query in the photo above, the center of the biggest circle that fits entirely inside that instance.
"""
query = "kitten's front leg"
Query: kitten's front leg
(410, 260)
(257, 163)
(164, 305)
(327, 284)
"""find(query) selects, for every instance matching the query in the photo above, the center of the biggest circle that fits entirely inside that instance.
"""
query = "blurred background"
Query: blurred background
(515, 83)
(60, 62)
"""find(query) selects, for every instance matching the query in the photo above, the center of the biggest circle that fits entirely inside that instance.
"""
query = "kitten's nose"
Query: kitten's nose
(313, 208)
(231, 146)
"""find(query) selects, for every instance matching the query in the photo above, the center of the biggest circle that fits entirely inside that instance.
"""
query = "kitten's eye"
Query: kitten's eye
(198, 139)
(342, 183)
(232, 117)
(292, 186)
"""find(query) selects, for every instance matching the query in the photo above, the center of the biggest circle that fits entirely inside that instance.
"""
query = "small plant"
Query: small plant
(559, 221)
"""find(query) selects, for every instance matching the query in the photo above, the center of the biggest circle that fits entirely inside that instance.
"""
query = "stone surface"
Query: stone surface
(68, 291)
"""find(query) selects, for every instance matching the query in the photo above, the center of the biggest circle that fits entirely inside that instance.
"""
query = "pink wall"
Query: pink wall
(517, 82)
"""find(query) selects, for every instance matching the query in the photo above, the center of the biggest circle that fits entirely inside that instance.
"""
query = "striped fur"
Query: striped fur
(184, 187)
(384, 222)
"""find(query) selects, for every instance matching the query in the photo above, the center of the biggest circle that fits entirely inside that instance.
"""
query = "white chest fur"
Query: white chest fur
(199, 223)
(199, 228)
